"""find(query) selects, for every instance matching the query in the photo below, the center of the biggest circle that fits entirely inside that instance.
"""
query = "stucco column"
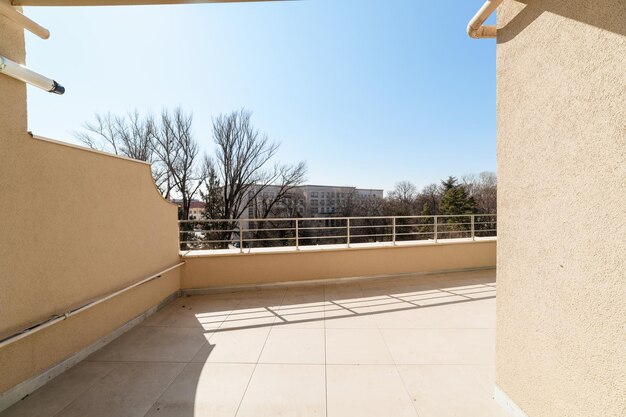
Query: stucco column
(13, 122)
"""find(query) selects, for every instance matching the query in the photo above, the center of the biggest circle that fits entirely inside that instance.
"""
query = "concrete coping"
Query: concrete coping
(331, 248)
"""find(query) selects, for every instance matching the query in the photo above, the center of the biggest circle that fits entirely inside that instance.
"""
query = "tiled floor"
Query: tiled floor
(411, 346)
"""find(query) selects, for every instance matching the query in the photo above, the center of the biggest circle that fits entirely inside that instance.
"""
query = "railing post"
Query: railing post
(435, 228)
(348, 231)
(473, 231)
(240, 236)
(297, 235)
(393, 231)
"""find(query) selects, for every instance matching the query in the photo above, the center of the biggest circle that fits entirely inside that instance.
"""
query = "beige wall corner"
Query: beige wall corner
(274, 267)
(75, 225)
(561, 69)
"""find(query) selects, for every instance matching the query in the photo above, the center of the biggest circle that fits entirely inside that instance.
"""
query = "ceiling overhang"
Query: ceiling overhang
(119, 2)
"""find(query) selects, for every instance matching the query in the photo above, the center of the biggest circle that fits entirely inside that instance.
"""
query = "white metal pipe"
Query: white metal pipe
(40, 326)
(20, 72)
(7, 10)
(476, 28)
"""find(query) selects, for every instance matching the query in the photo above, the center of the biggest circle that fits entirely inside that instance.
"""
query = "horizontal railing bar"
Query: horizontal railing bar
(211, 231)
(335, 218)
(415, 225)
(372, 235)
(60, 317)
(267, 239)
(317, 237)
(278, 229)
(322, 237)
(414, 233)
(206, 241)
(373, 226)
(327, 237)
(321, 228)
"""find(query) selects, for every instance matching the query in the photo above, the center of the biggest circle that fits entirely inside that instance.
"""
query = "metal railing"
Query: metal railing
(296, 232)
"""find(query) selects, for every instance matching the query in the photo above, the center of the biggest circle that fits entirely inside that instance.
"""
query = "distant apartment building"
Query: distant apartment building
(323, 200)
(196, 209)
(311, 200)
(301, 201)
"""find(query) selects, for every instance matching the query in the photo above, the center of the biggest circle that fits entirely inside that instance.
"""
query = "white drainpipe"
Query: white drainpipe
(20, 72)
(475, 28)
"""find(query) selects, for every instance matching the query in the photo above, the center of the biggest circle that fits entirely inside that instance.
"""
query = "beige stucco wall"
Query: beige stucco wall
(561, 306)
(74, 225)
(263, 268)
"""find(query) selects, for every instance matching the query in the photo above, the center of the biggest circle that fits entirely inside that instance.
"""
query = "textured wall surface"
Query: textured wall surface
(561, 307)
(262, 268)
(74, 225)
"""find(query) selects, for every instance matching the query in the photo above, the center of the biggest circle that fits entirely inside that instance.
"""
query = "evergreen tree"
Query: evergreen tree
(448, 184)
(456, 200)
(426, 211)
(213, 200)
(214, 209)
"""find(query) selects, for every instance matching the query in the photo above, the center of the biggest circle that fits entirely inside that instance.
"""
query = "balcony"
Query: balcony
(410, 345)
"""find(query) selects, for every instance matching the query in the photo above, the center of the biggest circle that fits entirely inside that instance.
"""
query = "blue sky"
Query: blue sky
(368, 93)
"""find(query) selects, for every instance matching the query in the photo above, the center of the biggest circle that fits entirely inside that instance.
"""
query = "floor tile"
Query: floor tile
(249, 318)
(303, 346)
(346, 320)
(342, 292)
(60, 392)
(233, 346)
(420, 346)
(129, 390)
(285, 390)
(175, 315)
(377, 305)
(301, 316)
(472, 346)
(412, 318)
(305, 296)
(369, 390)
(448, 391)
(476, 314)
(439, 299)
(356, 346)
(153, 344)
(204, 389)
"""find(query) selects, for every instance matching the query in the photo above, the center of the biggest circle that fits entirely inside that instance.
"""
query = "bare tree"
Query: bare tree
(428, 200)
(402, 200)
(101, 134)
(405, 192)
(177, 150)
(242, 156)
(272, 204)
(484, 189)
(136, 135)
(131, 135)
